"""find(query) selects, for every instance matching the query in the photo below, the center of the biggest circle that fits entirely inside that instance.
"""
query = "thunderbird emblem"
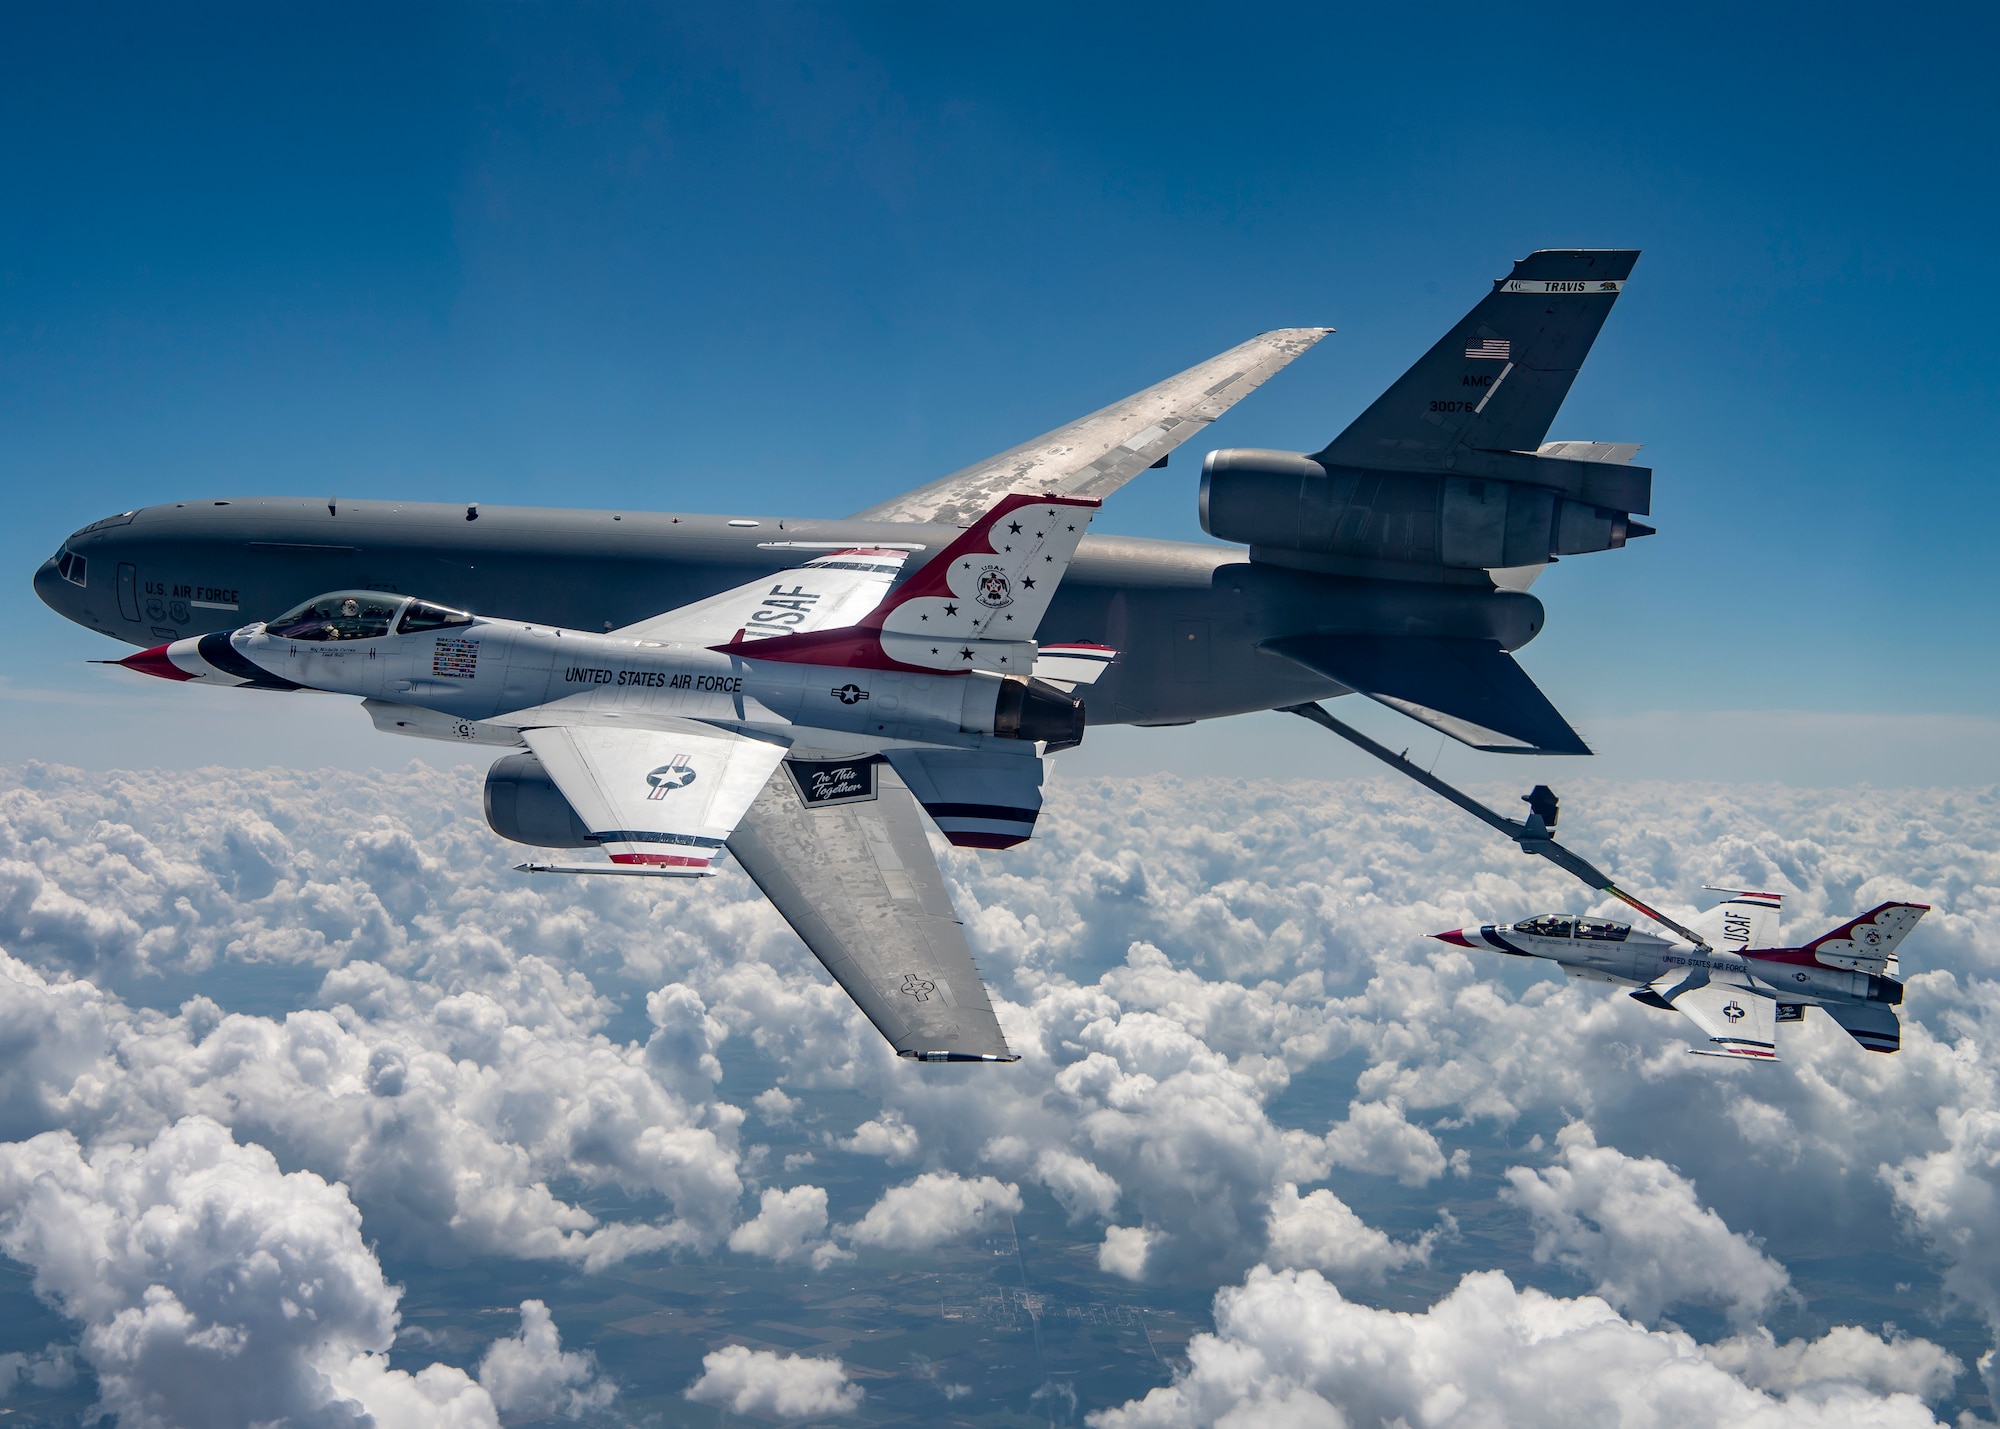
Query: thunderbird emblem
(669, 777)
(994, 589)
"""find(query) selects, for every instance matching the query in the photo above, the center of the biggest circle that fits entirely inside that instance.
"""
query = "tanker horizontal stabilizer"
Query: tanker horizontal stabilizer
(1471, 690)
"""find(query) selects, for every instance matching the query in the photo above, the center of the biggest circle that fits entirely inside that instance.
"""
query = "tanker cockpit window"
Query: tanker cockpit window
(1547, 926)
(422, 615)
(343, 615)
(1602, 930)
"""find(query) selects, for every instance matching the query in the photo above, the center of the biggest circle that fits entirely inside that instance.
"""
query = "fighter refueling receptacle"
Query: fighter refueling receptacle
(1737, 989)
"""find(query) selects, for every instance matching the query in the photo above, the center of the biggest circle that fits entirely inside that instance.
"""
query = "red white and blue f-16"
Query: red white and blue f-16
(1745, 982)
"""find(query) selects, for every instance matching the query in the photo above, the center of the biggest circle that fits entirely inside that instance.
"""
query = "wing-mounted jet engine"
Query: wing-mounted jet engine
(1448, 479)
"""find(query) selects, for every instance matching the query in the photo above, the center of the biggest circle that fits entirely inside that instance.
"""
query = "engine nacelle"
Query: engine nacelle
(524, 806)
(1385, 522)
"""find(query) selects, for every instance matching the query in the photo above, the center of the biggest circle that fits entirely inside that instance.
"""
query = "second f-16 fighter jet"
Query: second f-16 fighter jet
(820, 691)
(1740, 986)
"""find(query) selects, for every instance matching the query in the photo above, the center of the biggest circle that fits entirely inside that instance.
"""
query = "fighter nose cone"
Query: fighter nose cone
(1456, 937)
(153, 662)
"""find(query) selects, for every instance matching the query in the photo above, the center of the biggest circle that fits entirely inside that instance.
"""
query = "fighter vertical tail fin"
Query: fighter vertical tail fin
(974, 606)
(1868, 943)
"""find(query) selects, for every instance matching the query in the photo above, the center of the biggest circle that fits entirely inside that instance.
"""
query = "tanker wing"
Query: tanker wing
(1095, 455)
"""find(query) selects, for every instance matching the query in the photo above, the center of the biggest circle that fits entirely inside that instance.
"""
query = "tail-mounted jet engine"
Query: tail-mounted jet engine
(1292, 509)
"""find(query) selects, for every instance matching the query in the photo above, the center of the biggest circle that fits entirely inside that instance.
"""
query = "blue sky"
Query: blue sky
(789, 259)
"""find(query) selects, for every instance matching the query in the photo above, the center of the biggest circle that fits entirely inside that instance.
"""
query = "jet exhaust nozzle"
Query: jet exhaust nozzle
(1035, 709)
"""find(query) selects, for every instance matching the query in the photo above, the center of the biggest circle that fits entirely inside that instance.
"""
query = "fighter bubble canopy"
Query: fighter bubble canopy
(362, 615)
(1568, 925)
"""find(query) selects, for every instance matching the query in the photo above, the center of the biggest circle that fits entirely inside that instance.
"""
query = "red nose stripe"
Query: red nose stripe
(1454, 937)
(155, 662)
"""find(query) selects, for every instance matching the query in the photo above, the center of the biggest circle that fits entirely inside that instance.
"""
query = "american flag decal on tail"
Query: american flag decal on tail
(1493, 349)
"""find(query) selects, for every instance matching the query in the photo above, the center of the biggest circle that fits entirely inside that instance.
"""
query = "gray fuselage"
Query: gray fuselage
(1187, 619)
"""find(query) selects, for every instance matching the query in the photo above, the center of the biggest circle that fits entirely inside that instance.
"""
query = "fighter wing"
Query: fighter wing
(663, 799)
(1095, 455)
(829, 590)
(840, 849)
(1738, 1021)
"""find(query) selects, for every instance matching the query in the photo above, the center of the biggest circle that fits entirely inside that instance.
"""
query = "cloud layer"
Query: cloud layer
(1239, 1051)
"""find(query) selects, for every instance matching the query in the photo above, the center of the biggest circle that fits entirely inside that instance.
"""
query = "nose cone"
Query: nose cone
(154, 662)
(1456, 937)
(56, 593)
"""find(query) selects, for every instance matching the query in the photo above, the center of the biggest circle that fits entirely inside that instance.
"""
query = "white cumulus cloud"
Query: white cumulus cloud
(760, 1382)
(530, 1373)
(1289, 1350)
(1634, 1226)
(212, 1287)
(1321, 1232)
(934, 1208)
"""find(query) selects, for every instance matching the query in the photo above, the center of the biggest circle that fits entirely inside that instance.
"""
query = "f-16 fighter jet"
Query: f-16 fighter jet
(653, 742)
(828, 682)
(1744, 983)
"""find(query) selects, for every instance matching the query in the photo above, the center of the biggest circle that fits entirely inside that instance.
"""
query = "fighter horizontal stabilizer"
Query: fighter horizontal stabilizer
(1737, 1021)
(1075, 663)
(1471, 690)
(980, 798)
(1495, 381)
(1873, 1025)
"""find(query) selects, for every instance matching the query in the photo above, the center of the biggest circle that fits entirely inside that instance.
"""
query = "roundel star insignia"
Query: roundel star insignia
(669, 777)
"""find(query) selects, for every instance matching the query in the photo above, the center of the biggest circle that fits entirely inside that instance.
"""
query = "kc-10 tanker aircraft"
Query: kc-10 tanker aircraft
(805, 692)
(1739, 987)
